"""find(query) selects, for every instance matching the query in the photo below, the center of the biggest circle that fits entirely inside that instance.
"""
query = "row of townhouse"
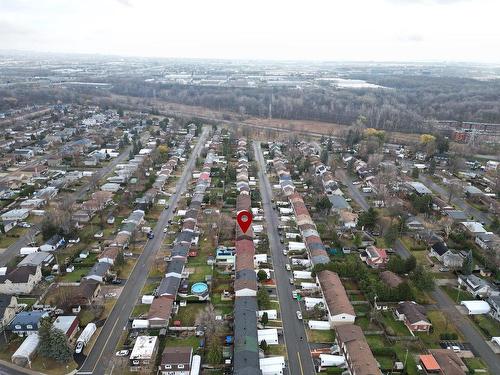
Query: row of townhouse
(341, 314)
(246, 345)
(163, 305)
(174, 283)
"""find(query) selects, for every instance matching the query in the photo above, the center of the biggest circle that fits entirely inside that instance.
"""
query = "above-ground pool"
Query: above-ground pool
(199, 288)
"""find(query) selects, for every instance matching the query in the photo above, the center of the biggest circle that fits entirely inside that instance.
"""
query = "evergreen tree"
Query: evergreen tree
(468, 264)
(265, 319)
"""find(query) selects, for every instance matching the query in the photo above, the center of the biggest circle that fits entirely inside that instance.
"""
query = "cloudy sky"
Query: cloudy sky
(375, 30)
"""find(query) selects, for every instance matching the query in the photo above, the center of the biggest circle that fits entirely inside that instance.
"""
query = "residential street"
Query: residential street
(444, 303)
(353, 190)
(13, 250)
(104, 347)
(299, 356)
(470, 332)
(459, 202)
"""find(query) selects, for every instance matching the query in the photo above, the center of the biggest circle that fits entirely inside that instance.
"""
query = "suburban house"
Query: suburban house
(142, 358)
(449, 362)
(176, 360)
(353, 346)
(413, 316)
(99, 271)
(27, 322)
(453, 260)
(109, 255)
(340, 310)
(374, 257)
(438, 249)
(84, 294)
(348, 219)
(53, 243)
(414, 223)
(8, 308)
(21, 280)
(495, 307)
(477, 287)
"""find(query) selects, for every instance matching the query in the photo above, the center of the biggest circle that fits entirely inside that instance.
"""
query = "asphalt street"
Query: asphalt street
(457, 201)
(299, 355)
(470, 332)
(443, 302)
(13, 250)
(353, 190)
(104, 348)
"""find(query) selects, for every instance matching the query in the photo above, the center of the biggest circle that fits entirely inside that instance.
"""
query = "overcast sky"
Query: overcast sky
(375, 30)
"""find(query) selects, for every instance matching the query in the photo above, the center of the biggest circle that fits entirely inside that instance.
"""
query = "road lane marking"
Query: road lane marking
(300, 364)
(106, 342)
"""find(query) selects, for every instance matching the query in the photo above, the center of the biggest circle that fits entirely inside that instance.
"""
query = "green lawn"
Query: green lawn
(476, 364)
(140, 310)
(488, 326)
(393, 326)
(76, 275)
(150, 287)
(320, 336)
(192, 341)
(454, 294)
(199, 273)
(188, 313)
(386, 361)
(440, 325)
(376, 341)
(277, 350)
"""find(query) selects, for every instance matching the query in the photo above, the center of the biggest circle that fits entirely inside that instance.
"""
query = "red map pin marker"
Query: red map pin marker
(244, 219)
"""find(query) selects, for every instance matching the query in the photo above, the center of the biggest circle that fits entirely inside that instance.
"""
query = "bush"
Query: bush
(448, 336)
(384, 351)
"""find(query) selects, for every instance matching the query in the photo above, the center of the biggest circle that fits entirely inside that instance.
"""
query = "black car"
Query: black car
(116, 281)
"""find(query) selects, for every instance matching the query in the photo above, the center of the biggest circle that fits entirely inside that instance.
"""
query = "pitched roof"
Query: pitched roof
(335, 294)
(450, 362)
(161, 308)
(361, 358)
(412, 311)
(19, 274)
(391, 279)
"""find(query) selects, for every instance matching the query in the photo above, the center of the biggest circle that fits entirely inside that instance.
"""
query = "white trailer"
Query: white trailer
(319, 325)
(292, 235)
(302, 275)
(331, 360)
(285, 211)
(140, 324)
(28, 250)
(296, 246)
(85, 337)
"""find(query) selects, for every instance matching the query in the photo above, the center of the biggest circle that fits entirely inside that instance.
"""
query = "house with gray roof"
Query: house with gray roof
(99, 271)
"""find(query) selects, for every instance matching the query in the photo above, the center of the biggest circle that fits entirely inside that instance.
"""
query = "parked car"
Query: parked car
(128, 254)
(444, 269)
(291, 281)
(299, 315)
(74, 240)
(116, 281)
(285, 252)
(122, 353)
(288, 268)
